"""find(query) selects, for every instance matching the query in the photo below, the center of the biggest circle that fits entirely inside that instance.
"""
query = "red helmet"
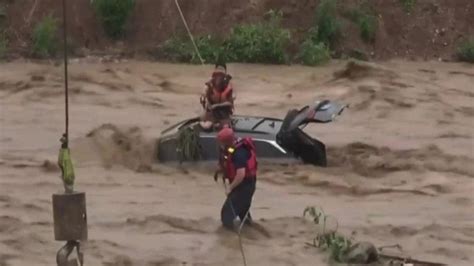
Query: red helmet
(226, 135)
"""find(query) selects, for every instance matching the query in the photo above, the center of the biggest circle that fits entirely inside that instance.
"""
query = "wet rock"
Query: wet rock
(362, 253)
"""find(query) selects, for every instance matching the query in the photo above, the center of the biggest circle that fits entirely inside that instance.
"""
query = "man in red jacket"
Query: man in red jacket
(239, 165)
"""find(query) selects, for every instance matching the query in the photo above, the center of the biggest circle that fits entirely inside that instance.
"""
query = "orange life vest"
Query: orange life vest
(217, 96)
(251, 167)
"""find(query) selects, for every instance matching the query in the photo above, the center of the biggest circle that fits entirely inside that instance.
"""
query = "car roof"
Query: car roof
(241, 124)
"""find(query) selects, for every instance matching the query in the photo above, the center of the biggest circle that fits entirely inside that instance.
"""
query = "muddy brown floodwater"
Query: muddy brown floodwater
(401, 162)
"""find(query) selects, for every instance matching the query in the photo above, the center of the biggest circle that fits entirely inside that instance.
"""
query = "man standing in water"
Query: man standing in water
(239, 164)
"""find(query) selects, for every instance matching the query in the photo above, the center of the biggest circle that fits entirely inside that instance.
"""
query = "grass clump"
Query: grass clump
(323, 37)
(313, 54)
(328, 27)
(408, 5)
(45, 37)
(113, 15)
(466, 51)
(368, 27)
(259, 43)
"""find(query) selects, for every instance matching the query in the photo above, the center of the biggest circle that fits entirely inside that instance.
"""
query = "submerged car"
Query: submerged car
(274, 138)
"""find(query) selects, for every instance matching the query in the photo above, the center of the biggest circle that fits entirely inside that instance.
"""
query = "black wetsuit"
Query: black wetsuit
(239, 199)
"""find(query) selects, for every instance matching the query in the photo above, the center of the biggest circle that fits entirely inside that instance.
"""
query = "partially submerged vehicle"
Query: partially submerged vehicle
(274, 138)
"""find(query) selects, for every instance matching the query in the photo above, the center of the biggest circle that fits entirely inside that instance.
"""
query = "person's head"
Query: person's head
(218, 80)
(226, 137)
(219, 76)
(220, 67)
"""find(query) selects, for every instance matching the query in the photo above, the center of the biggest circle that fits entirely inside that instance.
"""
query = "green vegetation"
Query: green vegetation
(263, 42)
(177, 49)
(340, 248)
(268, 42)
(368, 27)
(210, 49)
(113, 14)
(253, 43)
(324, 36)
(365, 17)
(337, 245)
(3, 45)
(315, 50)
(408, 5)
(44, 37)
(188, 147)
(328, 27)
(3, 12)
(313, 54)
(180, 49)
(466, 51)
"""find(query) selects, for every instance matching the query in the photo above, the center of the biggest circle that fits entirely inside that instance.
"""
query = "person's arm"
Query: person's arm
(220, 165)
(231, 97)
(239, 177)
(207, 87)
(205, 101)
(240, 162)
(229, 101)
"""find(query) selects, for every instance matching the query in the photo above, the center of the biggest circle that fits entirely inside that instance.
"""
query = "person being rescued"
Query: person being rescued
(217, 99)
(238, 163)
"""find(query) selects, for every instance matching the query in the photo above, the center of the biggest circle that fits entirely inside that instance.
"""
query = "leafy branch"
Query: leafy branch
(338, 245)
(188, 147)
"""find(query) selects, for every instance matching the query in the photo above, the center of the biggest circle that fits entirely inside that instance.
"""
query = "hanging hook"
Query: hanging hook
(62, 257)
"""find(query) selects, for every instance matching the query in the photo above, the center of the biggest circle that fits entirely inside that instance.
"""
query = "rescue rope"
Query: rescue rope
(66, 87)
(225, 187)
(189, 32)
(241, 245)
(64, 157)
